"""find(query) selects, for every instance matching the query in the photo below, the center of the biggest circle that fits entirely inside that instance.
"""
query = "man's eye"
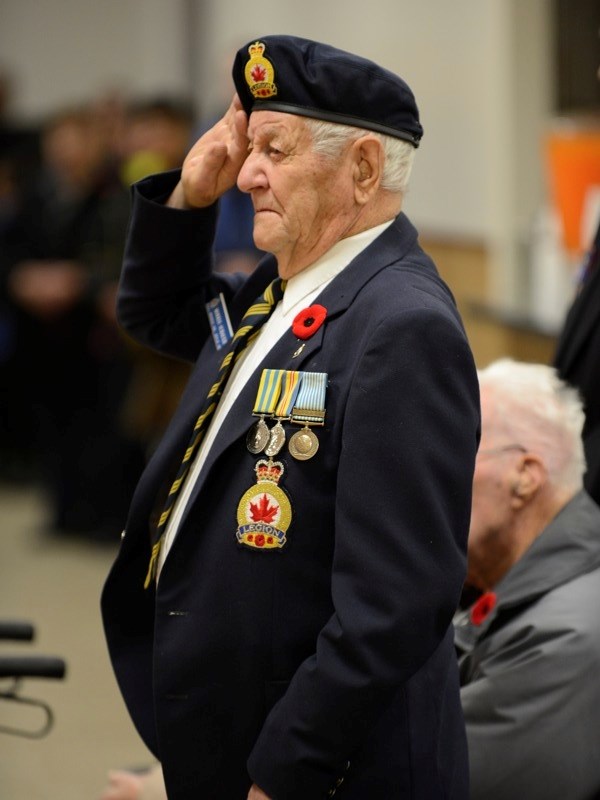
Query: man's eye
(274, 152)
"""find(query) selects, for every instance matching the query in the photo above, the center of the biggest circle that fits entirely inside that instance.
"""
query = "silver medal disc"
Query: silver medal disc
(276, 440)
(303, 444)
(257, 437)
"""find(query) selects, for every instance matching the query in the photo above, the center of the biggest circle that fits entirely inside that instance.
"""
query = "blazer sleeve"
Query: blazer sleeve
(167, 274)
(401, 520)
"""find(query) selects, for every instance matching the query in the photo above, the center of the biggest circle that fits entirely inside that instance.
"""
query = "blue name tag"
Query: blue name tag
(220, 324)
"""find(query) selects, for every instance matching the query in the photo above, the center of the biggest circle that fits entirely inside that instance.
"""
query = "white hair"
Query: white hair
(533, 407)
(329, 139)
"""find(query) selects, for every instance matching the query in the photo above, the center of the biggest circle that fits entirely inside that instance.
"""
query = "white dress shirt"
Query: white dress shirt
(300, 291)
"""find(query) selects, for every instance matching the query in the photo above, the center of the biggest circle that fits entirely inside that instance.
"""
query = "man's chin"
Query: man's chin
(265, 237)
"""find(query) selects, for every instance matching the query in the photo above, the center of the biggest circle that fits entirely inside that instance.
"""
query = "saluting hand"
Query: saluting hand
(212, 165)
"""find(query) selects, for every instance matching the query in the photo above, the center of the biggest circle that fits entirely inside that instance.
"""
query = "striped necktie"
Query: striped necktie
(252, 321)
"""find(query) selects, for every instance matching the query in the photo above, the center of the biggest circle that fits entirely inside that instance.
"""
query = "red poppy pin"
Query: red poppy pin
(308, 321)
(483, 607)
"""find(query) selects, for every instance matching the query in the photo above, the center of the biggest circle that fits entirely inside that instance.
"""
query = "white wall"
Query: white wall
(479, 69)
(64, 51)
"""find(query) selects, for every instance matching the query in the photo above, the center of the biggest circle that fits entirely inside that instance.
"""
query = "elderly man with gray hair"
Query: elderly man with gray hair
(279, 615)
(529, 647)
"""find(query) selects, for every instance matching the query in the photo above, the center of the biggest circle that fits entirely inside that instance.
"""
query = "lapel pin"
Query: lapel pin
(299, 350)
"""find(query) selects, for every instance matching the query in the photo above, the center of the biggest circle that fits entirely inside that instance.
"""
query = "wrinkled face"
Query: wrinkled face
(492, 515)
(303, 202)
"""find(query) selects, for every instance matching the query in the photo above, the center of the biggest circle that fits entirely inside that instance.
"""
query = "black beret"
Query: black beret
(299, 76)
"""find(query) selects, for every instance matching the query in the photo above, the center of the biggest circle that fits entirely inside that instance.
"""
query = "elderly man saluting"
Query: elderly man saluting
(279, 615)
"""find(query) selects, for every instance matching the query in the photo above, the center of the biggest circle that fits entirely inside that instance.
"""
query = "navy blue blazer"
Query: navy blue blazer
(331, 659)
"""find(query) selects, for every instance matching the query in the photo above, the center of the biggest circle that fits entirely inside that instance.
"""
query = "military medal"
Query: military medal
(264, 512)
(290, 386)
(267, 396)
(276, 439)
(309, 411)
(303, 444)
(258, 436)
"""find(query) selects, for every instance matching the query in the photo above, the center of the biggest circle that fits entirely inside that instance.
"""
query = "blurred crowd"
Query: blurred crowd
(81, 406)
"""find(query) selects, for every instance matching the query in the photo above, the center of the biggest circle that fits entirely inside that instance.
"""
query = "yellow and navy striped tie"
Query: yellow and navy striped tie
(252, 321)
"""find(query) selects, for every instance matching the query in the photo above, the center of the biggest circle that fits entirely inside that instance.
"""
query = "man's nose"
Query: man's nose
(250, 175)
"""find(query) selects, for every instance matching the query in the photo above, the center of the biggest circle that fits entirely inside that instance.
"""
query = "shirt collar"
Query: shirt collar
(330, 264)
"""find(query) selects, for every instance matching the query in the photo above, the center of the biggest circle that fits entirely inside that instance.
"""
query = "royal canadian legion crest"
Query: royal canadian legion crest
(264, 512)
(259, 73)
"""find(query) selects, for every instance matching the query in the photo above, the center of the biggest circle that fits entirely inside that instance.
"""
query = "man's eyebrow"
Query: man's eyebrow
(267, 132)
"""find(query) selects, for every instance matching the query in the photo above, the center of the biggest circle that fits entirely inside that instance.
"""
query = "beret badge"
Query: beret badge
(259, 73)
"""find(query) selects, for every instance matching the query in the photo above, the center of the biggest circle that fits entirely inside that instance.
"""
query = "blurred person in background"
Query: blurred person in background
(19, 153)
(529, 646)
(71, 364)
(19, 163)
(155, 136)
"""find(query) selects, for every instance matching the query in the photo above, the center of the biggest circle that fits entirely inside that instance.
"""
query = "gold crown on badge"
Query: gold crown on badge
(264, 512)
(259, 72)
(268, 470)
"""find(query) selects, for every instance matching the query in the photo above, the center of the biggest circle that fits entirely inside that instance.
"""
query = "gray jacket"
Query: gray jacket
(530, 672)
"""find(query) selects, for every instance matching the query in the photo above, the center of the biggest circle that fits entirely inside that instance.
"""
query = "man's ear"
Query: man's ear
(367, 153)
(531, 477)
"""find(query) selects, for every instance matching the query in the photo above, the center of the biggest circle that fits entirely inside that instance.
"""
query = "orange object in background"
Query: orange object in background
(573, 161)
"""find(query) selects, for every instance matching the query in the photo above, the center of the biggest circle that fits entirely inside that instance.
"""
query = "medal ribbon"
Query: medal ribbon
(268, 392)
(310, 403)
(291, 386)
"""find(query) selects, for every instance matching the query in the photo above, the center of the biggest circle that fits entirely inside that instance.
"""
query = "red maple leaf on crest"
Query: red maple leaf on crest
(263, 511)
(258, 73)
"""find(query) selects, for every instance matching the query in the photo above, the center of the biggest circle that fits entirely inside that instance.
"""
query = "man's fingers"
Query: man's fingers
(213, 163)
(211, 160)
(240, 130)
(202, 176)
